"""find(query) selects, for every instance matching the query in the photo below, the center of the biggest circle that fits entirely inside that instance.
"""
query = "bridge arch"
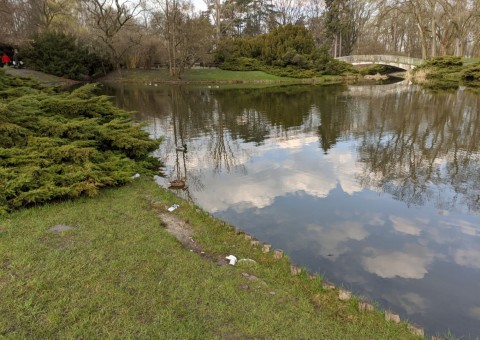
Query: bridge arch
(405, 63)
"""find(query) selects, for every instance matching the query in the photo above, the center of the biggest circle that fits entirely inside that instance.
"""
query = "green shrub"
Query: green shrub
(336, 67)
(287, 51)
(62, 145)
(444, 62)
(241, 64)
(471, 73)
(290, 71)
(442, 73)
(60, 55)
(279, 46)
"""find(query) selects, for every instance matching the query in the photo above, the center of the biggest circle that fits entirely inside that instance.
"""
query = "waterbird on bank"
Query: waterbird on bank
(182, 148)
(178, 183)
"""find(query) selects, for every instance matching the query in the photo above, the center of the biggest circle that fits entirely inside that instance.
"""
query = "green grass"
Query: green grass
(120, 274)
(213, 75)
(223, 75)
(468, 61)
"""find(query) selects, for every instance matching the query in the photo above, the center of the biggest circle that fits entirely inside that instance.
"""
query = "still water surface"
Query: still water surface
(377, 188)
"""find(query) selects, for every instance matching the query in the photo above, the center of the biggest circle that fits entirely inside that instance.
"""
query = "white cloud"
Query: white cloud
(467, 257)
(300, 170)
(465, 227)
(411, 263)
(376, 220)
(344, 164)
(404, 225)
(412, 303)
(332, 239)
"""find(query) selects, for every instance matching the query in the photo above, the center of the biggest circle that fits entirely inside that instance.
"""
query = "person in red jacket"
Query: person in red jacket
(5, 59)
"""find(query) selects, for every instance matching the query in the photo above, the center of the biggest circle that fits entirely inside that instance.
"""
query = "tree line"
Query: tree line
(173, 33)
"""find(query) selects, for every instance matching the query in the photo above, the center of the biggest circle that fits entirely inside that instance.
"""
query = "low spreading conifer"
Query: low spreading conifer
(62, 145)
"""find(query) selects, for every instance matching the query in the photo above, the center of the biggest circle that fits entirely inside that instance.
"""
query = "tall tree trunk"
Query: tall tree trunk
(458, 47)
(340, 46)
(422, 41)
(394, 38)
(434, 36)
(218, 27)
(174, 40)
(335, 47)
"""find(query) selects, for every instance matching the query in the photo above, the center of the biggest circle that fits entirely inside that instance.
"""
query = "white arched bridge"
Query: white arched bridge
(405, 63)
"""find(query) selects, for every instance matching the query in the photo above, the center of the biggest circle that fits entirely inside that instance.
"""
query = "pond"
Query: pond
(374, 187)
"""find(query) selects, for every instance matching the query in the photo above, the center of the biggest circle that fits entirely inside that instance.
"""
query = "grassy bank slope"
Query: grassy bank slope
(119, 273)
(212, 75)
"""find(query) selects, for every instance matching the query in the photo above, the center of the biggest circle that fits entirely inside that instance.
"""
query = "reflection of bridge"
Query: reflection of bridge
(405, 63)
(374, 90)
(379, 91)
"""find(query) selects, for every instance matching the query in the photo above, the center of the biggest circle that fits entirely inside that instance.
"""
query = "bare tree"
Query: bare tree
(290, 11)
(225, 16)
(17, 21)
(441, 26)
(314, 12)
(50, 12)
(344, 22)
(216, 7)
(187, 35)
(389, 28)
(20, 20)
(7, 20)
(463, 16)
(109, 19)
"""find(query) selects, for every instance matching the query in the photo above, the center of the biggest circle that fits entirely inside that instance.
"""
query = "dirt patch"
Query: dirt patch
(185, 234)
(181, 230)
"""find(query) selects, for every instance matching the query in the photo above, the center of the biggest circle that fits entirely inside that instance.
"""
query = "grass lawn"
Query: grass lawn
(218, 74)
(205, 75)
(118, 273)
(471, 60)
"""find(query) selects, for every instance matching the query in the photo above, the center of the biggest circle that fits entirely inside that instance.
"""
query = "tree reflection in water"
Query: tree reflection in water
(429, 153)
(427, 150)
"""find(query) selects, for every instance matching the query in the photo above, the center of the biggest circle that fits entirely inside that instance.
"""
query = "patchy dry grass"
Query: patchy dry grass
(420, 76)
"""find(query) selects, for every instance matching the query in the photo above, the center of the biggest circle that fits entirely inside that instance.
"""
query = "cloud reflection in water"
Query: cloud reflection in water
(411, 263)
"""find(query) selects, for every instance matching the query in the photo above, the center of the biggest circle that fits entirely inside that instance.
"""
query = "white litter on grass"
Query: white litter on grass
(232, 259)
(136, 175)
(60, 227)
(173, 207)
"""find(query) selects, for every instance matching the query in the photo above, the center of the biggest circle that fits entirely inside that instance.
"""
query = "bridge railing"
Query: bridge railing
(381, 58)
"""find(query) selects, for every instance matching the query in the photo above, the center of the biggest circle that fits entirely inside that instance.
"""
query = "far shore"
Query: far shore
(209, 76)
(191, 76)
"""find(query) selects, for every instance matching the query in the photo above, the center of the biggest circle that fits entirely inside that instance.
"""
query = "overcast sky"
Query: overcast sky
(199, 4)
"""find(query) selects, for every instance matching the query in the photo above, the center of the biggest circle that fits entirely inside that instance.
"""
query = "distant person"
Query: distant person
(16, 63)
(5, 59)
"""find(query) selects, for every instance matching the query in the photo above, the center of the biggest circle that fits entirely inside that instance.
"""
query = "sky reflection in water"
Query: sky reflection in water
(376, 188)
